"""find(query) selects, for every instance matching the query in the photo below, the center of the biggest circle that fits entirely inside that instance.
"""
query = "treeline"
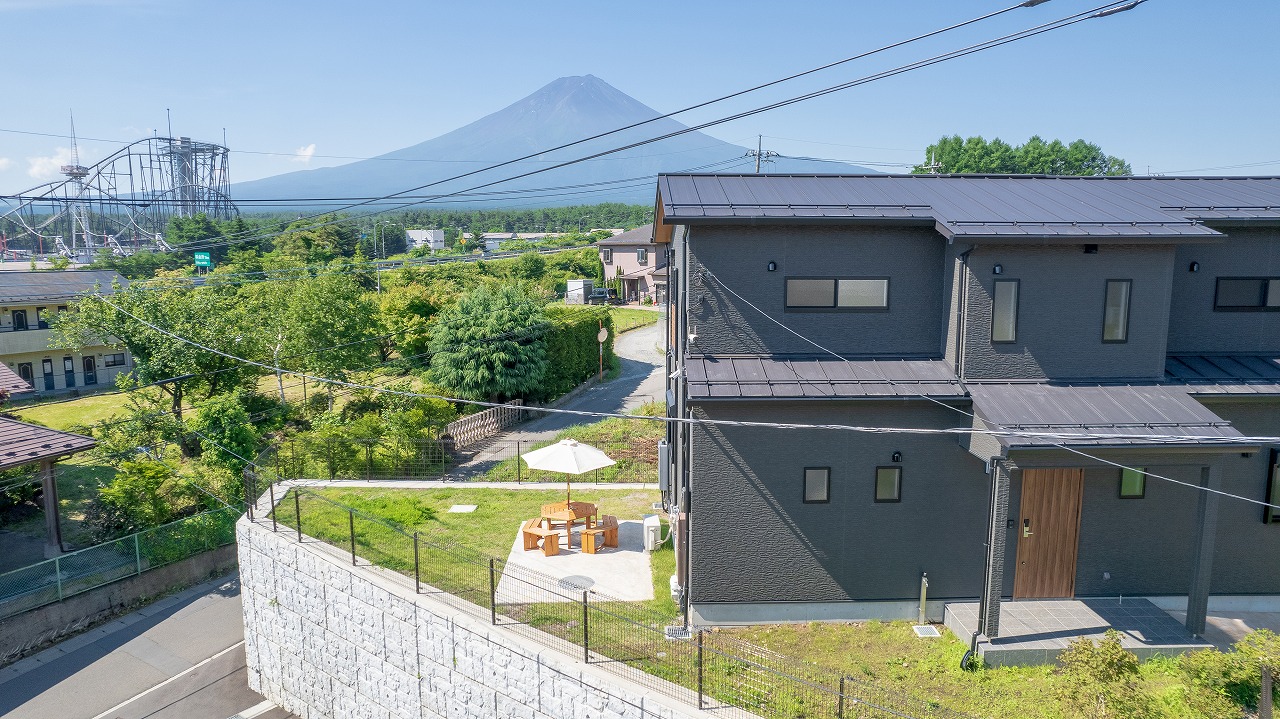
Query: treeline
(327, 238)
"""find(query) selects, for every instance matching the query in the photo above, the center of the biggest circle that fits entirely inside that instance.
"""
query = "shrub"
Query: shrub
(573, 354)
(1100, 680)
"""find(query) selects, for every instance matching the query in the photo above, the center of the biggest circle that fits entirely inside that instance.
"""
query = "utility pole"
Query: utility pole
(761, 154)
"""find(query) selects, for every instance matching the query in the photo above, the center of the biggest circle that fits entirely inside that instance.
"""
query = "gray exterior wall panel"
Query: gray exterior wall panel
(1060, 307)
(1247, 552)
(912, 259)
(755, 540)
(1194, 327)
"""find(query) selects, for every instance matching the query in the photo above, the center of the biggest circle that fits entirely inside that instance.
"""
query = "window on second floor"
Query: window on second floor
(1247, 294)
(642, 256)
(838, 293)
(1004, 311)
(606, 256)
(1115, 315)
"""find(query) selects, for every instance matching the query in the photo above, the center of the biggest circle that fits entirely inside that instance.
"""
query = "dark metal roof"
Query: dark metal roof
(1157, 410)
(32, 287)
(1224, 375)
(759, 377)
(10, 381)
(22, 443)
(642, 235)
(979, 208)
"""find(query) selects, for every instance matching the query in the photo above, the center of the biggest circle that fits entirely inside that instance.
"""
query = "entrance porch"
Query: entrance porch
(1036, 631)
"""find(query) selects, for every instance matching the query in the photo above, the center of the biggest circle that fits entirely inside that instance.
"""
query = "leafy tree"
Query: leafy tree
(144, 494)
(317, 240)
(206, 316)
(226, 435)
(954, 155)
(490, 345)
(530, 266)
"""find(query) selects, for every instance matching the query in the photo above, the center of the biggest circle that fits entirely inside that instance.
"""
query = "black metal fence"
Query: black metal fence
(429, 459)
(635, 639)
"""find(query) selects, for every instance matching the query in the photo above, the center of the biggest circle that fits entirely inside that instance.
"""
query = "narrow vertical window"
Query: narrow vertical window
(1004, 311)
(1271, 515)
(817, 485)
(1115, 317)
(642, 256)
(606, 255)
(1133, 483)
(888, 484)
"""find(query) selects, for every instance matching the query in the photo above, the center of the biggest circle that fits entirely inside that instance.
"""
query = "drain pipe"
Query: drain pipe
(924, 591)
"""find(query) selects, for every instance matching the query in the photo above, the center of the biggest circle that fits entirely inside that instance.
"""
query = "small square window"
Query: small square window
(817, 485)
(888, 484)
(1133, 483)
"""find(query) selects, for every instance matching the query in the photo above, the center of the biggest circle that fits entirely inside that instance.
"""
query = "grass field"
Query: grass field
(633, 444)
(627, 318)
(69, 413)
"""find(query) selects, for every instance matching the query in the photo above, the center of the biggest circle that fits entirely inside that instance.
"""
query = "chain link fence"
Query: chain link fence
(64, 576)
(635, 639)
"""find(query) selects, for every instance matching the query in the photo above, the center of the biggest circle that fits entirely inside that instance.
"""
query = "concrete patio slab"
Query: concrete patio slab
(1036, 631)
(621, 572)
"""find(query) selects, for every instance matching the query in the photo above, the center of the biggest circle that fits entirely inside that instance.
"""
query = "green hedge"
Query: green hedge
(573, 354)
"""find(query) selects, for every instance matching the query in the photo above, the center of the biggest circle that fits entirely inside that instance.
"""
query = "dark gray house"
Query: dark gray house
(1041, 337)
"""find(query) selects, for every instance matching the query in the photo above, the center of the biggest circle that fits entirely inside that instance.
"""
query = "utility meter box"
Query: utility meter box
(652, 532)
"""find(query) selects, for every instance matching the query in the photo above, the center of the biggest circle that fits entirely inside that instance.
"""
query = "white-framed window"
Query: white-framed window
(642, 256)
(606, 256)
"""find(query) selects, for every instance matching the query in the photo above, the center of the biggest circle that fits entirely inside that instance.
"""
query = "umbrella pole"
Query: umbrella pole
(568, 491)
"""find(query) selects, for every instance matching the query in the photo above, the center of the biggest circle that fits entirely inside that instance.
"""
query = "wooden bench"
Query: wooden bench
(594, 539)
(532, 531)
(609, 524)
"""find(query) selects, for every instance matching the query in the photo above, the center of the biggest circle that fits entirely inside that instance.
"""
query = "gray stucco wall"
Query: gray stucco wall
(754, 540)
(911, 257)
(1195, 327)
(1247, 559)
(1060, 309)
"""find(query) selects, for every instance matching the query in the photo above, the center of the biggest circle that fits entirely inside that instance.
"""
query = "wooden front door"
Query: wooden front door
(1048, 533)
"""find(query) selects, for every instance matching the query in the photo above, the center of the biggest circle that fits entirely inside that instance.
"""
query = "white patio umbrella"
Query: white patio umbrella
(568, 456)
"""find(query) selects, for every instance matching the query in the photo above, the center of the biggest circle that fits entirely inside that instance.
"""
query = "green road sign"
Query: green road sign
(203, 259)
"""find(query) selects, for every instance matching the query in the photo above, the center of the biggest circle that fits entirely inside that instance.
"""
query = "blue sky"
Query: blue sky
(1173, 85)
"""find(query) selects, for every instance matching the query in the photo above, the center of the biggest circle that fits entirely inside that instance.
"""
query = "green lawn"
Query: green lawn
(627, 318)
(71, 413)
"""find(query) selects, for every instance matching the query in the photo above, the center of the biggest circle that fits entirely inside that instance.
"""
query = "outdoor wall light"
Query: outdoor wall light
(998, 269)
(1193, 267)
(773, 266)
(897, 456)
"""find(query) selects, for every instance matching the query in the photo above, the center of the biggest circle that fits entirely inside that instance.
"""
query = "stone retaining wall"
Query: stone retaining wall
(325, 639)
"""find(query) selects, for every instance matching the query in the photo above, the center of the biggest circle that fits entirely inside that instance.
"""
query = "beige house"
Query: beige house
(638, 262)
(29, 301)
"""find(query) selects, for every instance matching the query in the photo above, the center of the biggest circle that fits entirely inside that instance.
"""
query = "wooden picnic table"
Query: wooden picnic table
(568, 513)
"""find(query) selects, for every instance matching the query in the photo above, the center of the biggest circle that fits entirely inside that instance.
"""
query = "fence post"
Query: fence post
(351, 524)
(518, 470)
(137, 550)
(840, 703)
(586, 631)
(57, 573)
(297, 513)
(1264, 699)
(248, 493)
(417, 575)
(274, 526)
(700, 705)
(493, 592)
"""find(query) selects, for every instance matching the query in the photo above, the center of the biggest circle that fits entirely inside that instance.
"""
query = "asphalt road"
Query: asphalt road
(180, 658)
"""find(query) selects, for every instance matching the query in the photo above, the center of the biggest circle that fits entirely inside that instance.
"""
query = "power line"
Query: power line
(1218, 440)
(1027, 4)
